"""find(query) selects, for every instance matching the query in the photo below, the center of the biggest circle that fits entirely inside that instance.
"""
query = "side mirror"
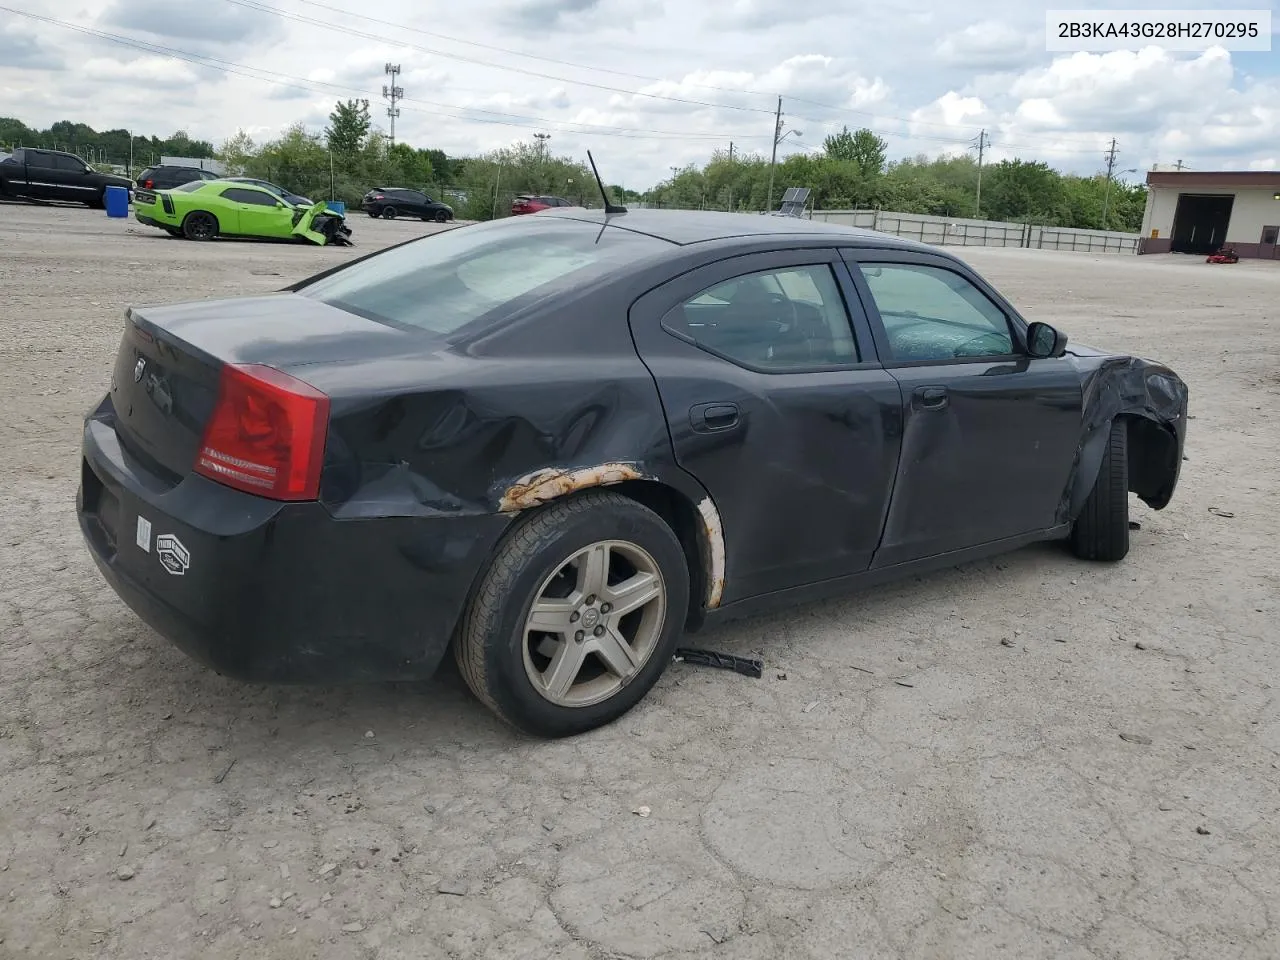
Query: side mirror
(1044, 341)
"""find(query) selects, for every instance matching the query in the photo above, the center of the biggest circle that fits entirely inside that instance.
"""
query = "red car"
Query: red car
(527, 203)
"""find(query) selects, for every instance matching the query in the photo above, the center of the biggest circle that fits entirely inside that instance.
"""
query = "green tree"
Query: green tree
(1024, 190)
(237, 152)
(349, 125)
(862, 148)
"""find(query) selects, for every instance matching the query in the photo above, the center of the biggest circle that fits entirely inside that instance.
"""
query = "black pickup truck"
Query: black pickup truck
(54, 175)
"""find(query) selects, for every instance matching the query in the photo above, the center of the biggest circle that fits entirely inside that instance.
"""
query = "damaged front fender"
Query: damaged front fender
(1154, 400)
(319, 225)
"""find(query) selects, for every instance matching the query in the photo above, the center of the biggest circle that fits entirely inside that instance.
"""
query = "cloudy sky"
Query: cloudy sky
(645, 84)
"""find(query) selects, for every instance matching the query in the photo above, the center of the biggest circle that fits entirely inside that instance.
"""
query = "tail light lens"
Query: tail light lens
(266, 435)
(148, 184)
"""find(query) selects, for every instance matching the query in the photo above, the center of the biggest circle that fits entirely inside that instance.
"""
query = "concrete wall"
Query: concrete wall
(965, 232)
(1253, 209)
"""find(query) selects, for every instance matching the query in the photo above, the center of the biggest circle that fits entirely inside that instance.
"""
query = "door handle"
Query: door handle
(713, 417)
(930, 398)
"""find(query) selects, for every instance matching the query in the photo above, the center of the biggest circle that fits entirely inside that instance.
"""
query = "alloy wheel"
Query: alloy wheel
(594, 623)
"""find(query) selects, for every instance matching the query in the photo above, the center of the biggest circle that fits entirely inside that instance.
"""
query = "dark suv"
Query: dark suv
(392, 202)
(166, 177)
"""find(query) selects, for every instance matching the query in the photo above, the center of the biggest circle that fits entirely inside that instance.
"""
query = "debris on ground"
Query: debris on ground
(1006, 642)
(125, 873)
(1136, 738)
(808, 707)
(1135, 525)
(641, 811)
(355, 927)
(452, 888)
(748, 667)
(1219, 512)
(1139, 645)
(225, 770)
(1203, 831)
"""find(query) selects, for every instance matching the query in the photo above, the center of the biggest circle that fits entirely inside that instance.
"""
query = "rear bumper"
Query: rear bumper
(265, 591)
(148, 221)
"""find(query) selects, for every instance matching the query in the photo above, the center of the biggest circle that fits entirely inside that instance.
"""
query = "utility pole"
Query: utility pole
(395, 95)
(1106, 194)
(731, 176)
(1178, 165)
(773, 159)
(983, 142)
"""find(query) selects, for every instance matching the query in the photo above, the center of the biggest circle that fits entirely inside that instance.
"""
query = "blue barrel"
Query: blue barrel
(117, 201)
(338, 207)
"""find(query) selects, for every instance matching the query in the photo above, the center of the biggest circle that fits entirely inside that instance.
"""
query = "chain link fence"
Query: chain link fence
(944, 231)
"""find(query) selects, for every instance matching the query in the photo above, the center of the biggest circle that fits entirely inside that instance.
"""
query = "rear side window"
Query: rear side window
(479, 274)
(36, 158)
(771, 320)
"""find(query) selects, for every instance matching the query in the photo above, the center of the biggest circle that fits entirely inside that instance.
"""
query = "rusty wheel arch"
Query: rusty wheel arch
(696, 525)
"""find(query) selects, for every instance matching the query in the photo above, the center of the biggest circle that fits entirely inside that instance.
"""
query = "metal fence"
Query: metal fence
(943, 231)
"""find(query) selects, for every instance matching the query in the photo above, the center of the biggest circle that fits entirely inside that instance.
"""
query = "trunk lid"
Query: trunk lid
(165, 382)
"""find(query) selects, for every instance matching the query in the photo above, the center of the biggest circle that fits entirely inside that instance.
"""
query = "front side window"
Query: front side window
(934, 314)
(70, 164)
(772, 320)
(255, 197)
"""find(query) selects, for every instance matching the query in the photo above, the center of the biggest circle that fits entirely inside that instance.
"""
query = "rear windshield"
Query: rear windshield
(479, 274)
(191, 187)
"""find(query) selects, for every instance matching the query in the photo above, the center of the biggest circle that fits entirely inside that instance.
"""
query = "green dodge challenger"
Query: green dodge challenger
(205, 209)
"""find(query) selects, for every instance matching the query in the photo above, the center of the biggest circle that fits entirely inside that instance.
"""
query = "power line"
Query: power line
(349, 31)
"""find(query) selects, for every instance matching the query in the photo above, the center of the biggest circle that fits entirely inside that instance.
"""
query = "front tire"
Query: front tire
(577, 615)
(200, 225)
(1101, 532)
(442, 216)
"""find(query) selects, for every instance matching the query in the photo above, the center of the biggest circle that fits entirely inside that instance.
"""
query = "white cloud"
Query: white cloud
(159, 71)
(990, 45)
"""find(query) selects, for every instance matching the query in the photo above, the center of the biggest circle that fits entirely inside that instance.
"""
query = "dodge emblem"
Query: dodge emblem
(172, 554)
(138, 367)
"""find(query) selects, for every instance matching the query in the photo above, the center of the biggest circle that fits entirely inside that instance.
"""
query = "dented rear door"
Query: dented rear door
(798, 458)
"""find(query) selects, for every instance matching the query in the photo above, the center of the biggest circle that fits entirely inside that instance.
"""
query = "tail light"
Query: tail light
(266, 435)
(148, 184)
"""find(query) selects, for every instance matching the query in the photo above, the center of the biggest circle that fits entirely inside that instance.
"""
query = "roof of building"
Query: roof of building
(1214, 178)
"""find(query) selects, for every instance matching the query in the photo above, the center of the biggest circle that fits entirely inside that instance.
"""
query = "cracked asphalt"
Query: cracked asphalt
(1030, 757)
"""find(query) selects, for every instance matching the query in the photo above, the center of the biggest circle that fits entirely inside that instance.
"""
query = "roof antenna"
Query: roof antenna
(609, 207)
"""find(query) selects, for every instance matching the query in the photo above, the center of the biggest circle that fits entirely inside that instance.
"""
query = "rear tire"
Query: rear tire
(200, 225)
(1101, 532)
(389, 213)
(374, 212)
(509, 665)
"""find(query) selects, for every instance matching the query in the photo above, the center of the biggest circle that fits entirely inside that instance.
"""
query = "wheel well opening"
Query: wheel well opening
(1153, 452)
(682, 517)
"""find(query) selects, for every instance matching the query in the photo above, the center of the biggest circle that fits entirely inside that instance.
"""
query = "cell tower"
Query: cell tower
(395, 94)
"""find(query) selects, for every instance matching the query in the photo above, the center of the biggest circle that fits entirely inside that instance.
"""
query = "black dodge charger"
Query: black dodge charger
(555, 443)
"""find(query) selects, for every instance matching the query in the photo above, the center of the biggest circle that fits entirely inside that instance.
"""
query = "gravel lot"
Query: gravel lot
(1026, 758)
